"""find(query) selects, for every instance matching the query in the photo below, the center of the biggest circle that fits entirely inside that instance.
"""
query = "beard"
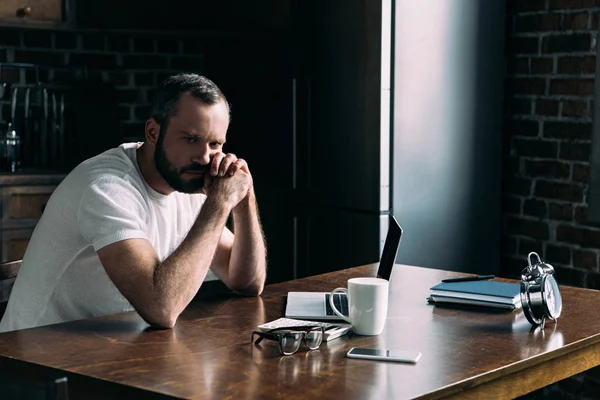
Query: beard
(172, 175)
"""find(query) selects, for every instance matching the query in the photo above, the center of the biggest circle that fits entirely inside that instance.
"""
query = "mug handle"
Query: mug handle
(335, 310)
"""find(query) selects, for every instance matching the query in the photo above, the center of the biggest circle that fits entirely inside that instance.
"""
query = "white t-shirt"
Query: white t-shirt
(102, 201)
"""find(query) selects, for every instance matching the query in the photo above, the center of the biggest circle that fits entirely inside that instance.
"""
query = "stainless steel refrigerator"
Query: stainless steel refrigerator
(310, 114)
(312, 110)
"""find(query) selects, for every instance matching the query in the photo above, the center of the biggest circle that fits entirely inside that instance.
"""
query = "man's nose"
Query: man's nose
(202, 156)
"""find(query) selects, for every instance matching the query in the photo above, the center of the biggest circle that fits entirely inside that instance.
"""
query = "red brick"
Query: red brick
(557, 254)
(144, 62)
(93, 41)
(567, 130)
(526, 246)
(535, 148)
(576, 235)
(572, 86)
(65, 40)
(522, 127)
(40, 57)
(547, 169)
(571, 277)
(143, 44)
(9, 75)
(128, 96)
(10, 37)
(93, 60)
(535, 208)
(577, 65)
(191, 64)
(575, 151)
(561, 212)
(537, 23)
(576, 21)
(558, 191)
(37, 38)
(546, 107)
(167, 45)
(581, 216)
(542, 65)
(581, 172)
(567, 43)
(522, 45)
(527, 227)
(572, 4)
(575, 108)
(118, 42)
(585, 259)
(144, 79)
(526, 86)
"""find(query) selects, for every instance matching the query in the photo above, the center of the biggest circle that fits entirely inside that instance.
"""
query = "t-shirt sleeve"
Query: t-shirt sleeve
(111, 210)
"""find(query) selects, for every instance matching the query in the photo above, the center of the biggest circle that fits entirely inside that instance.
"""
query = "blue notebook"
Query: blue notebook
(482, 291)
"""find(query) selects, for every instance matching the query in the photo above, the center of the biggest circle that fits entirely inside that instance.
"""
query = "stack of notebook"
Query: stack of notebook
(478, 293)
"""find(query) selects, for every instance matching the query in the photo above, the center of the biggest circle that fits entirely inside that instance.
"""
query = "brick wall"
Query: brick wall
(550, 55)
(133, 62)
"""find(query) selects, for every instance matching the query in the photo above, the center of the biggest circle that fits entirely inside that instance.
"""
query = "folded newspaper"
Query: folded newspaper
(333, 330)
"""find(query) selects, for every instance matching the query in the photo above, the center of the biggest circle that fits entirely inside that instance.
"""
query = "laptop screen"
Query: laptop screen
(390, 249)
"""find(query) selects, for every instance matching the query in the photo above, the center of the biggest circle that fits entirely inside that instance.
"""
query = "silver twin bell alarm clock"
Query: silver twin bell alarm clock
(540, 296)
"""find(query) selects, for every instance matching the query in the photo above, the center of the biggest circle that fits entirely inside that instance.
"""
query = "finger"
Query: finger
(215, 163)
(229, 159)
(208, 180)
(239, 164)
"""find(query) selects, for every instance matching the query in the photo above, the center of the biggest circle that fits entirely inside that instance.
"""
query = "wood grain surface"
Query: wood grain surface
(467, 353)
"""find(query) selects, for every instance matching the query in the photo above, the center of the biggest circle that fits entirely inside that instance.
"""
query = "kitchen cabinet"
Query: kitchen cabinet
(23, 198)
(36, 13)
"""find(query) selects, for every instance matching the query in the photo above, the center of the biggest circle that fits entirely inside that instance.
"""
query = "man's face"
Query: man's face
(188, 143)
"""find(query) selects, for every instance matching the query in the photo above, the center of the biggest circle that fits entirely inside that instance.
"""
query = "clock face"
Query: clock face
(551, 295)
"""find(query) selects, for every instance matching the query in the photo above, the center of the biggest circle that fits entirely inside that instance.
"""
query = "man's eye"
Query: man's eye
(191, 139)
(215, 144)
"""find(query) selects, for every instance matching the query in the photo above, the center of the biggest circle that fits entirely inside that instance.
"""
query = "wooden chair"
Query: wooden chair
(8, 274)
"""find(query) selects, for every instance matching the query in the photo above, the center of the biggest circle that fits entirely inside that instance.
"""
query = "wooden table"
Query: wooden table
(466, 353)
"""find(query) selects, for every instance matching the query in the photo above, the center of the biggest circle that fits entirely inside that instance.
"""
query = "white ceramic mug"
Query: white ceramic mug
(367, 304)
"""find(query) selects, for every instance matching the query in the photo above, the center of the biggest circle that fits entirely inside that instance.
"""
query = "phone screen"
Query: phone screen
(371, 352)
(392, 355)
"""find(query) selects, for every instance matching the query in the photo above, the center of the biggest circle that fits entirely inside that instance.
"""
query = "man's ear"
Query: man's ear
(152, 131)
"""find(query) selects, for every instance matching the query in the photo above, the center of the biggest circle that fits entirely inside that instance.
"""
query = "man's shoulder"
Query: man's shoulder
(114, 165)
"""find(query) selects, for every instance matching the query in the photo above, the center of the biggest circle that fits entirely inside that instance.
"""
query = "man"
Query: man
(142, 226)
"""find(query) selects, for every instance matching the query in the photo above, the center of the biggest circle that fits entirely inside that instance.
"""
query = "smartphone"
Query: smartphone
(385, 355)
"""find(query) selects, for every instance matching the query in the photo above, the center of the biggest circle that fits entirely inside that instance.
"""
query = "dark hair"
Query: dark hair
(171, 89)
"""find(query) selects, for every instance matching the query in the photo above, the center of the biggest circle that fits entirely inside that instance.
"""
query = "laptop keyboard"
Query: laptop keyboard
(341, 303)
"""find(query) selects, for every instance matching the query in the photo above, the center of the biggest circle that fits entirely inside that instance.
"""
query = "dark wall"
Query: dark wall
(550, 66)
(131, 63)
(551, 57)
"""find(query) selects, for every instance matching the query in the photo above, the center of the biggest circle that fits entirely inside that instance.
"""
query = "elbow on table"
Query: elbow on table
(161, 320)
(251, 289)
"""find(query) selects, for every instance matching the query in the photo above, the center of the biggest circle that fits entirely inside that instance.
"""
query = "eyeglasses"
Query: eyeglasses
(290, 337)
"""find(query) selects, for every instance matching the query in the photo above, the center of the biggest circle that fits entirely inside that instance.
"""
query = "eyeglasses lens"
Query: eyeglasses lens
(290, 342)
(314, 339)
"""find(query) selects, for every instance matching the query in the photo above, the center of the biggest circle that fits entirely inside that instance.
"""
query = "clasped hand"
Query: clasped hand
(228, 179)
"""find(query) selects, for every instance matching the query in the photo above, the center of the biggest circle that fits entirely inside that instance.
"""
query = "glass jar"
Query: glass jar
(10, 150)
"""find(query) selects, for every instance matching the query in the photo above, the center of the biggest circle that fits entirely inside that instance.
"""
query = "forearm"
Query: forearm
(247, 266)
(177, 279)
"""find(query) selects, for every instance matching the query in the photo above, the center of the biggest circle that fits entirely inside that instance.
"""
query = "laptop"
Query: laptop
(315, 305)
